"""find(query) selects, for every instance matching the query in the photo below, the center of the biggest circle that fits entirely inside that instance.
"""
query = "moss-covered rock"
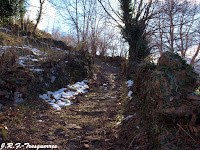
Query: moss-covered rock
(161, 94)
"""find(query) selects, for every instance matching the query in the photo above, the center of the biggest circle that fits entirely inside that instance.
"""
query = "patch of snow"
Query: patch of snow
(5, 47)
(36, 51)
(5, 29)
(95, 76)
(53, 78)
(44, 43)
(59, 49)
(122, 118)
(61, 97)
(21, 61)
(29, 58)
(18, 100)
(129, 94)
(130, 116)
(80, 86)
(118, 123)
(55, 106)
(85, 67)
(36, 60)
(37, 70)
(130, 83)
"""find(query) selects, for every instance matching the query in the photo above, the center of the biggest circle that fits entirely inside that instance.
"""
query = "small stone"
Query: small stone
(96, 143)
(74, 140)
(171, 99)
(1, 106)
(18, 101)
(21, 82)
(85, 141)
(51, 143)
(73, 127)
(51, 138)
(17, 95)
(73, 143)
(66, 136)
(3, 93)
(2, 82)
(53, 78)
(88, 128)
(41, 79)
(86, 145)
(90, 138)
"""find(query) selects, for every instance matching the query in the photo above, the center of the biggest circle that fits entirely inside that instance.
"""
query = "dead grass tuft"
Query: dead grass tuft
(7, 62)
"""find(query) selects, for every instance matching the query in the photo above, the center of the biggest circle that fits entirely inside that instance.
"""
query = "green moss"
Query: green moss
(4, 134)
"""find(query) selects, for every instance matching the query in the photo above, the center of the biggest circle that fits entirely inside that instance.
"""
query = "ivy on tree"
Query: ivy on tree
(10, 8)
(134, 27)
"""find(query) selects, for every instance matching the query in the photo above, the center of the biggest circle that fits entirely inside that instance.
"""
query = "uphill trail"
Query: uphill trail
(90, 123)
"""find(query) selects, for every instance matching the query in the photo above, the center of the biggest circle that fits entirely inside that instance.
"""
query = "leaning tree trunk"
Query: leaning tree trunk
(39, 15)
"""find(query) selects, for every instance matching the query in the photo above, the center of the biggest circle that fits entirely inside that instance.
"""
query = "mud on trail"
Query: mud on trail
(90, 123)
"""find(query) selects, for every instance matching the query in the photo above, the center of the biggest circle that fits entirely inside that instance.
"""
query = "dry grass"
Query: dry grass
(7, 62)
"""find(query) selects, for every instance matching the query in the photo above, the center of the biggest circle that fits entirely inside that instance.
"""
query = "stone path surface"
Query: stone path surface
(90, 123)
(98, 111)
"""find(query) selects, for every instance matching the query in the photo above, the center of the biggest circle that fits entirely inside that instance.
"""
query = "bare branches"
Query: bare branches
(109, 13)
(175, 26)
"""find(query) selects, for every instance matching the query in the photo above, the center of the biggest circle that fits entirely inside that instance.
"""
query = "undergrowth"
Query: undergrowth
(167, 119)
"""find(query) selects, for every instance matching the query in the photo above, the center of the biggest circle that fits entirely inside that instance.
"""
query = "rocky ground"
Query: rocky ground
(90, 123)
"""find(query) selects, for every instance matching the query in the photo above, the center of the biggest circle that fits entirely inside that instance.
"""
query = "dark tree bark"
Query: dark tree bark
(39, 15)
(135, 19)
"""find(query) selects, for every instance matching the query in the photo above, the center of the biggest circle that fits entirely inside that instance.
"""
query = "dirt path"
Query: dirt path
(87, 124)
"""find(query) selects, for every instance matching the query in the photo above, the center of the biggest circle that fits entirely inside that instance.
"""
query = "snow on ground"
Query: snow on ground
(62, 97)
(37, 70)
(129, 82)
(61, 50)
(129, 94)
(5, 29)
(35, 51)
(22, 60)
(130, 116)
(121, 118)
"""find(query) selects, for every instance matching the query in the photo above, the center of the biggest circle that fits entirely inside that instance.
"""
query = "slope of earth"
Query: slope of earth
(90, 123)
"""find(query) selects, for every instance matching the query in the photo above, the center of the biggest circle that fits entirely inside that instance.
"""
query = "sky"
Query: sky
(50, 19)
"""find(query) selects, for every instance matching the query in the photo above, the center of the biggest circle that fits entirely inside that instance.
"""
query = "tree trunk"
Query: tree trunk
(195, 55)
(39, 15)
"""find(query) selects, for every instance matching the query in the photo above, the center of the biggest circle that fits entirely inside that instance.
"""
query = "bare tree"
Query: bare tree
(195, 55)
(193, 60)
(56, 34)
(39, 15)
(133, 21)
(175, 26)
